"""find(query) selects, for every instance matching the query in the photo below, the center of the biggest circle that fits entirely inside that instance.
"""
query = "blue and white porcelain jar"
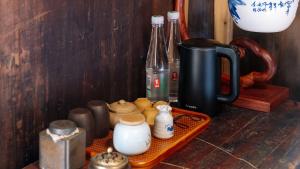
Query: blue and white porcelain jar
(263, 15)
(163, 123)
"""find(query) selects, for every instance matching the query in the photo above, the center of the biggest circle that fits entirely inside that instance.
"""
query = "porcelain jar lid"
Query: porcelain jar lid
(109, 160)
(132, 119)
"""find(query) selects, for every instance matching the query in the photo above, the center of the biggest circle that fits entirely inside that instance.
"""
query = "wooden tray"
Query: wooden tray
(160, 149)
(262, 98)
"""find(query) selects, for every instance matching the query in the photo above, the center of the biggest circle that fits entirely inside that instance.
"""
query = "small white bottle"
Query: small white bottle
(163, 124)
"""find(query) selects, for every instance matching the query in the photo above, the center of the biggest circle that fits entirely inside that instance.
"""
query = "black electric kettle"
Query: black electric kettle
(200, 75)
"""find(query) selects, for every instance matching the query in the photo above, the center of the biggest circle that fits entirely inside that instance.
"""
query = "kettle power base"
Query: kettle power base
(187, 126)
(264, 98)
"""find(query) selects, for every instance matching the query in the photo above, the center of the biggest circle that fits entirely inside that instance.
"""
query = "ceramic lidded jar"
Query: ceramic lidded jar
(264, 16)
(119, 109)
(109, 160)
(150, 114)
(132, 135)
(143, 103)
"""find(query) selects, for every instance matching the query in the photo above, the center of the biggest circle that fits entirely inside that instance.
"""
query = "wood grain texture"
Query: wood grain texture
(223, 28)
(201, 19)
(223, 24)
(262, 98)
(57, 55)
(230, 122)
(285, 47)
(240, 138)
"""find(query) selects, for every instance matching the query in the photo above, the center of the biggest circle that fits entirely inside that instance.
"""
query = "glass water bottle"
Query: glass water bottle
(157, 68)
(173, 54)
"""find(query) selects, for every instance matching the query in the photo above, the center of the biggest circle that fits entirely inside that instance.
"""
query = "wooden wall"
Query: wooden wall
(201, 18)
(58, 54)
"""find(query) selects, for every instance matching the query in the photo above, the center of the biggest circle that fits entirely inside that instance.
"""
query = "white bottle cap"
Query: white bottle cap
(157, 19)
(173, 15)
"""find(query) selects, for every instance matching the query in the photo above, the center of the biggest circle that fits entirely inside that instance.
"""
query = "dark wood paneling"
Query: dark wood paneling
(285, 47)
(56, 55)
(201, 18)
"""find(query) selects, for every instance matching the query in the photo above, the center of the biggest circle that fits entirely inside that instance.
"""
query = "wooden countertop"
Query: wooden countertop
(240, 138)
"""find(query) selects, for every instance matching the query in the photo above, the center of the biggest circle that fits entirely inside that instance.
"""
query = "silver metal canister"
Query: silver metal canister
(62, 146)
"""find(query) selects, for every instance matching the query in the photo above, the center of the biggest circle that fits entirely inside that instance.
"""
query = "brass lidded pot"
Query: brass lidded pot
(109, 160)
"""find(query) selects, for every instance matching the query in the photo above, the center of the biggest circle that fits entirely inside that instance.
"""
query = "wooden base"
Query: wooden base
(262, 98)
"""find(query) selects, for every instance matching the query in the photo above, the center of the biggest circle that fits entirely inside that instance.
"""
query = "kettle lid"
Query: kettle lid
(200, 43)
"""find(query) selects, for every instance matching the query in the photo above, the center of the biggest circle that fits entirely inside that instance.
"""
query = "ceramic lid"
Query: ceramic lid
(142, 103)
(164, 108)
(62, 127)
(122, 107)
(132, 119)
(109, 160)
(160, 103)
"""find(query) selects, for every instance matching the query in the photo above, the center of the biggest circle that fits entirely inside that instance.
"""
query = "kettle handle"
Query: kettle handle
(234, 59)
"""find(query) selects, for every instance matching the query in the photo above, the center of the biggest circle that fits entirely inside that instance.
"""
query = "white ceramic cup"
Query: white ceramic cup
(132, 139)
(264, 16)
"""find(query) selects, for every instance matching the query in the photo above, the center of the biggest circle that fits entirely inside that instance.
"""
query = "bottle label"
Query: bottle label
(148, 82)
(156, 83)
(174, 76)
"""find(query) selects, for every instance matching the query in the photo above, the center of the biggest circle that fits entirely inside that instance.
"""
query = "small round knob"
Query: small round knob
(122, 101)
(109, 150)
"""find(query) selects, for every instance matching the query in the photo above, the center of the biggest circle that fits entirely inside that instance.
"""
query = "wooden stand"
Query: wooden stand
(262, 98)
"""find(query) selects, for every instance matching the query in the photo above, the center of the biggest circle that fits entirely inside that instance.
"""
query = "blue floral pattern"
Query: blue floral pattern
(233, 8)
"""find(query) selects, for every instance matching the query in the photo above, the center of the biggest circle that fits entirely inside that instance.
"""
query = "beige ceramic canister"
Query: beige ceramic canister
(143, 103)
(119, 109)
(150, 114)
